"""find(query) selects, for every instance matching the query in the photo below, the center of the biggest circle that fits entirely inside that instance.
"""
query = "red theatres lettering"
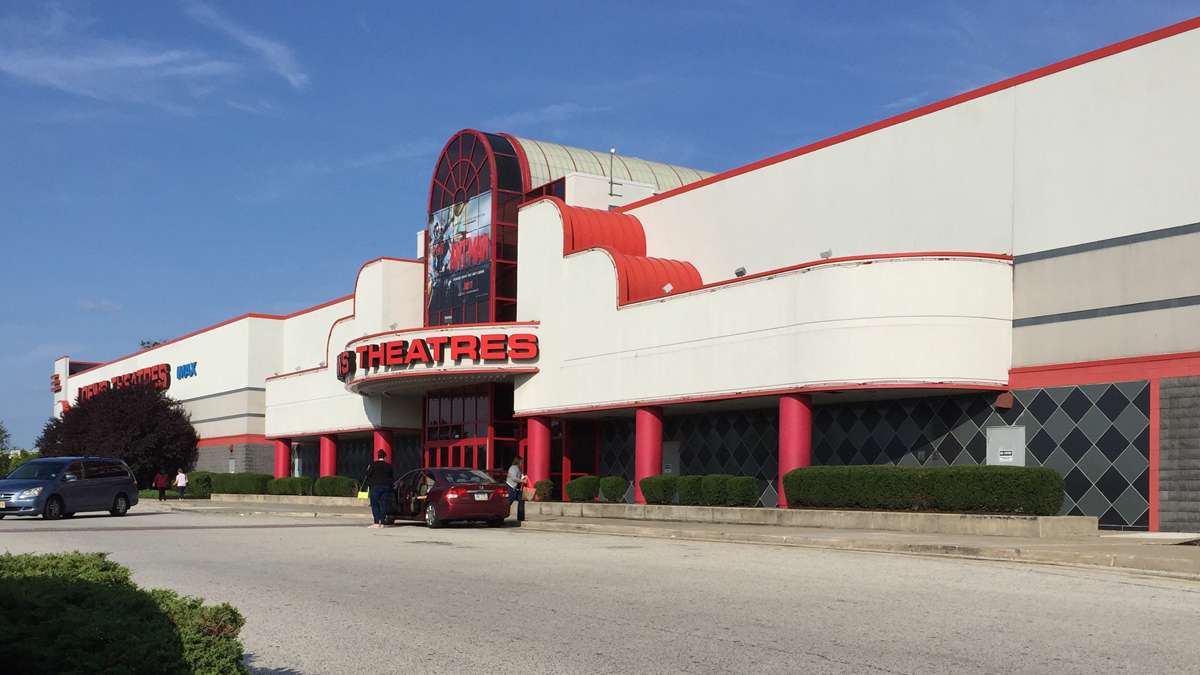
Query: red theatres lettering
(158, 377)
(437, 350)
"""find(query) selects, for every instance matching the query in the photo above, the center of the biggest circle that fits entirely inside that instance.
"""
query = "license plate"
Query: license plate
(481, 496)
(1, 505)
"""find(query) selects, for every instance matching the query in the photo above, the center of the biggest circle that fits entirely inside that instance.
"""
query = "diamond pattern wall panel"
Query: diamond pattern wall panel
(739, 442)
(1096, 436)
(616, 448)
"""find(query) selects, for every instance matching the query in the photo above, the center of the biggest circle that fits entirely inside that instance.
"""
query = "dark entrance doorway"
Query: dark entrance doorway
(471, 427)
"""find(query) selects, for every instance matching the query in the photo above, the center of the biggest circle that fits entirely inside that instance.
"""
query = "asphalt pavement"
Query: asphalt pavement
(332, 596)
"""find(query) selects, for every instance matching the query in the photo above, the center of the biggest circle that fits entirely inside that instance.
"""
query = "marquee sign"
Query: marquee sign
(436, 351)
(158, 377)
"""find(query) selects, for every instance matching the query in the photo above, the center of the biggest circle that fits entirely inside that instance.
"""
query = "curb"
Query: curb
(284, 514)
(1175, 568)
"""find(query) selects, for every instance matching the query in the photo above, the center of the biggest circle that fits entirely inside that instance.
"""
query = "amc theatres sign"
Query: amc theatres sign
(438, 351)
(158, 377)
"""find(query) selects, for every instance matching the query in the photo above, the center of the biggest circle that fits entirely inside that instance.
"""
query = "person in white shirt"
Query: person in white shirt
(181, 482)
(516, 479)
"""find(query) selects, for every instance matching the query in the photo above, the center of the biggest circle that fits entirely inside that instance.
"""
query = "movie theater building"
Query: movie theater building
(1007, 276)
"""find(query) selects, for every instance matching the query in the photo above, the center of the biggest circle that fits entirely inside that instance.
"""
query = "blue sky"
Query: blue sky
(167, 165)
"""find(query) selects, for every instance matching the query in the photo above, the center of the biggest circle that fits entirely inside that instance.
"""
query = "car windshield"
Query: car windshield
(459, 476)
(37, 471)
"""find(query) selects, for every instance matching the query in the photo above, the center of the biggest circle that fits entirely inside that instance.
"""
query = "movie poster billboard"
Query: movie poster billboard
(460, 259)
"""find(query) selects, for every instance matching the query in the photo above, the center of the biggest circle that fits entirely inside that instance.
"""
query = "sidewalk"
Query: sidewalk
(1158, 553)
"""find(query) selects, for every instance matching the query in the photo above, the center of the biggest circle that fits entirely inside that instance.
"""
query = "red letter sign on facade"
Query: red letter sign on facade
(436, 350)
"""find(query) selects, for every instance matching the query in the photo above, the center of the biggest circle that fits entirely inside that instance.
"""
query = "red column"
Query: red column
(383, 441)
(795, 437)
(647, 453)
(283, 457)
(537, 452)
(329, 455)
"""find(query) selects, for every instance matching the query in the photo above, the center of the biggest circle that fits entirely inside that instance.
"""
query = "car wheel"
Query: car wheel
(68, 515)
(120, 506)
(495, 522)
(431, 517)
(1, 516)
(53, 510)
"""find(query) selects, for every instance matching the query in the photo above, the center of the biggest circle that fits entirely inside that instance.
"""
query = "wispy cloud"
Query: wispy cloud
(548, 114)
(259, 107)
(54, 50)
(100, 305)
(278, 56)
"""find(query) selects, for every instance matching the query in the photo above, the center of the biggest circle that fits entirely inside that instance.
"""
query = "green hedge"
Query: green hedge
(543, 490)
(239, 483)
(335, 486)
(743, 491)
(714, 489)
(82, 613)
(659, 489)
(301, 485)
(199, 485)
(689, 489)
(958, 489)
(613, 488)
(583, 489)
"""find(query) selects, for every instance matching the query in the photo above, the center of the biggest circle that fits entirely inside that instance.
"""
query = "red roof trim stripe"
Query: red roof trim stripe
(1067, 64)
(250, 315)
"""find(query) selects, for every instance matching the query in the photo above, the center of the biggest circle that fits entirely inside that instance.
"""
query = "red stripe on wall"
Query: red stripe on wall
(231, 440)
(1125, 45)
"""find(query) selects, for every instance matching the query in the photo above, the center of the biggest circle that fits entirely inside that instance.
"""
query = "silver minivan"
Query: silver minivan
(60, 487)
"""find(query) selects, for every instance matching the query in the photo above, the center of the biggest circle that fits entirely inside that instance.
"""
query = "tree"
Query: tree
(5, 438)
(147, 344)
(139, 424)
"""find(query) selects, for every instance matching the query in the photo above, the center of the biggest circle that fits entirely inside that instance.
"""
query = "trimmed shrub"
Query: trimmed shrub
(714, 489)
(743, 491)
(583, 489)
(659, 489)
(543, 490)
(239, 483)
(80, 612)
(300, 485)
(335, 486)
(689, 490)
(958, 489)
(613, 488)
(199, 485)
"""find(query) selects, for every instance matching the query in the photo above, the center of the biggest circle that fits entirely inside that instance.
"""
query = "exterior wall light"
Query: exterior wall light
(739, 272)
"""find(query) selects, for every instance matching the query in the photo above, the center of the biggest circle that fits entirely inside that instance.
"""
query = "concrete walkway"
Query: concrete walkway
(1156, 553)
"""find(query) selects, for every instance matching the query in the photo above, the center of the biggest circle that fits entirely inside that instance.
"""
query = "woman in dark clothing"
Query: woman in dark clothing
(161, 483)
(379, 484)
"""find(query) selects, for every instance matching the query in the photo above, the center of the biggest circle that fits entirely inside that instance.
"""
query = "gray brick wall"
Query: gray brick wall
(248, 458)
(1179, 455)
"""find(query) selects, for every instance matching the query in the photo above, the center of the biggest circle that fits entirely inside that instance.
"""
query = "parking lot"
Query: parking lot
(332, 596)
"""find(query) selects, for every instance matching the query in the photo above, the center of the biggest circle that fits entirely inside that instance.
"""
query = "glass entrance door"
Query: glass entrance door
(470, 453)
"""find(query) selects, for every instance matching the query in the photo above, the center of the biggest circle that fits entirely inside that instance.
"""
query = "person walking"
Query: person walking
(161, 484)
(516, 482)
(181, 482)
(379, 481)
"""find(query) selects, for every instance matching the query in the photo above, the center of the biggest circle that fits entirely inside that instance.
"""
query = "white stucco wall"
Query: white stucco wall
(899, 321)
(1096, 151)
(388, 294)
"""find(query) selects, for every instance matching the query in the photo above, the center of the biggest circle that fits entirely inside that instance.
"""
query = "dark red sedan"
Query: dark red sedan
(442, 495)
